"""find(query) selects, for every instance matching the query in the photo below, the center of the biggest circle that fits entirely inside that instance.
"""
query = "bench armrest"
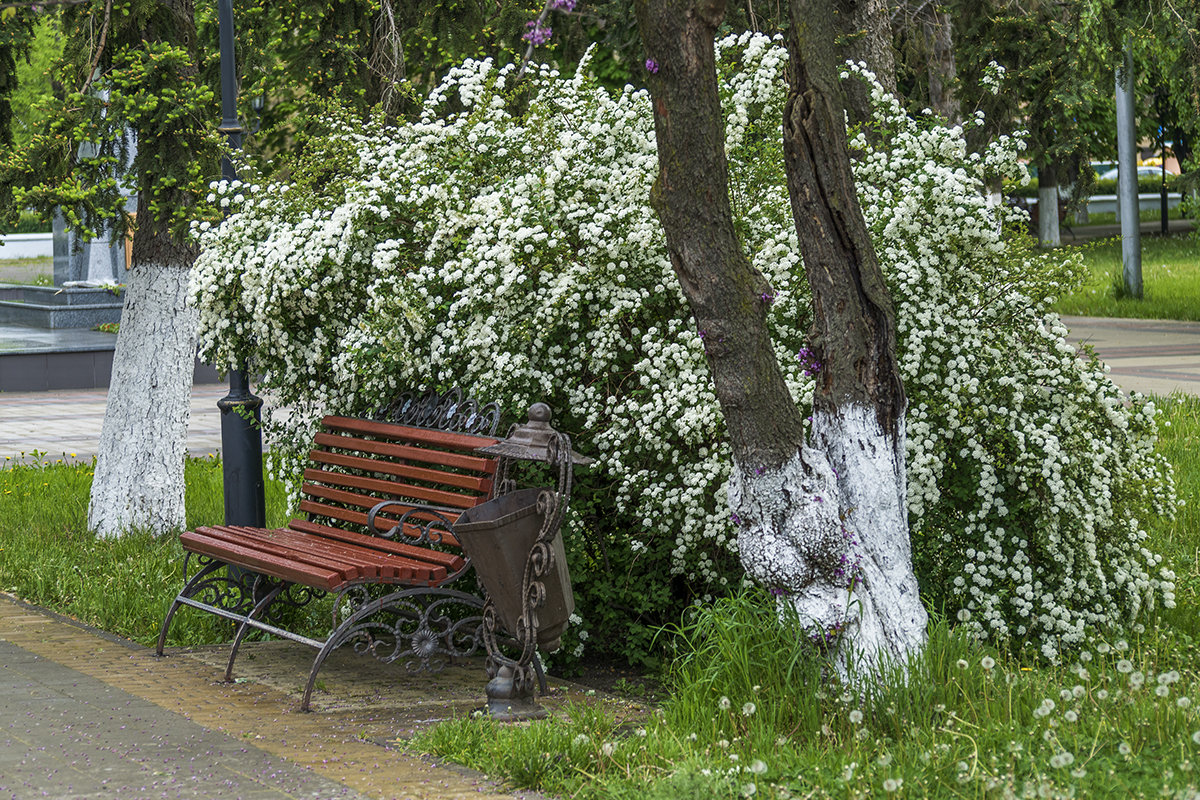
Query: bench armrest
(410, 527)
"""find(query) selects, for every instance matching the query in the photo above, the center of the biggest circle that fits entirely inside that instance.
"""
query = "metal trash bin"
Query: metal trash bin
(498, 536)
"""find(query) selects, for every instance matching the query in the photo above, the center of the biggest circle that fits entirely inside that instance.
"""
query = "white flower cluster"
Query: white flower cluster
(506, 242)
(993, 77)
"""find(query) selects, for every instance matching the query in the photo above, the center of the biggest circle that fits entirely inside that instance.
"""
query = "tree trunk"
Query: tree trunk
(939, 32)
(823, 526)
(859, 403)
(728, 297)
(1048, 233)
(139, 469)
(866, 36)
(138, 481)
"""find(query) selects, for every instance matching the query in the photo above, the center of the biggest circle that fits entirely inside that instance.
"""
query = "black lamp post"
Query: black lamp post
(241, 437)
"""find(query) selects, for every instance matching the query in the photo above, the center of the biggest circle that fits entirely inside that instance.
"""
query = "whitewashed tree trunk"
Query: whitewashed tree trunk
(1048, 233)
(828, 532)
(824, 522)
(139, 469)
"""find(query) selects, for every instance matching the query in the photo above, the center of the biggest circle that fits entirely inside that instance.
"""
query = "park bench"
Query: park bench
(380, 495)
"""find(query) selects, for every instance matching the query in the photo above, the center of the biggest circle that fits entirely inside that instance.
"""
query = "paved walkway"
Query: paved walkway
(66, 424)
(85, 715)
(1159, 356)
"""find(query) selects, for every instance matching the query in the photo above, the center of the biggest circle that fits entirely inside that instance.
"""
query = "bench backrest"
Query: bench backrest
(356, 463)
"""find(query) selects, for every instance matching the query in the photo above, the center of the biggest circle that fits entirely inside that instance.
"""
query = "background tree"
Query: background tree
(806, 510)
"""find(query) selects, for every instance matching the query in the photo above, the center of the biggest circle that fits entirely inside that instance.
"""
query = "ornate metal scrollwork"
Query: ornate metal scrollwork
(410, 527)
(416, 626)
(229, 590)
(444, 412)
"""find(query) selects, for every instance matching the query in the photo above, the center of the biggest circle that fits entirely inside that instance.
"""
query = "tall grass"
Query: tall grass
(1170, 278)
(123, 585)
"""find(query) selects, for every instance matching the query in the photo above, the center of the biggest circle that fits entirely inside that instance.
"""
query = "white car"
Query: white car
(1143, 172)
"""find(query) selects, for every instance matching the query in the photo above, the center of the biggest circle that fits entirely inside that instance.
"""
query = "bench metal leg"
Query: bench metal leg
(259, 608)
(187, 590)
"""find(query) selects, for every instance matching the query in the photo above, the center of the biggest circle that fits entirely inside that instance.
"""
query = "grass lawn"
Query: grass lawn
(37, 271)
(747, 712)
(1170, 278)
(122, 585)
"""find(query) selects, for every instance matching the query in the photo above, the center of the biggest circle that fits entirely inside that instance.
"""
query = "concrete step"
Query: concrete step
(59, 295)
(40, 315)
(57, 307)
(36, 359)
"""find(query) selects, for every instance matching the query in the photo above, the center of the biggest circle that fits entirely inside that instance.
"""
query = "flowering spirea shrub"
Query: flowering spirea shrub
(1029, 474)
(505, 242)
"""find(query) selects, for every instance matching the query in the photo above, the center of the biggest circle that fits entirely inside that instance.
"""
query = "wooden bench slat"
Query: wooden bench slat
(419, 454)
(373, 564)
(366, 502)
(451, 562)
(386, 488)
(305, 574)
(349, 571)
(457, 441)
(407, 562)
(462, 480)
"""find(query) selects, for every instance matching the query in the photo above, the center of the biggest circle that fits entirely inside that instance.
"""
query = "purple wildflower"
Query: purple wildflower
(651, 66)
(808, 361)
(561, 5)
(536, 33)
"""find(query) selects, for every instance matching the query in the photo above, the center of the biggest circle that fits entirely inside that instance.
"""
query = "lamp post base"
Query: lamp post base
(507, 703)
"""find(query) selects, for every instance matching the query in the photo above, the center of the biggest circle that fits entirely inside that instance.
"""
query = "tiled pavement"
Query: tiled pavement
(84, 715)
(66, 424)
(1149, 356)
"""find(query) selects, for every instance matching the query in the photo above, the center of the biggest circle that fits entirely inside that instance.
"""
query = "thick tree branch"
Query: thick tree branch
(854, 325)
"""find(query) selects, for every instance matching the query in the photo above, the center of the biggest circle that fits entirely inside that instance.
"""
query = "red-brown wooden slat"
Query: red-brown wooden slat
(388, 488)
(349, 571)
(449, 561)
(372, 563)
(365, 501)
(375, 465)
(358, 518)
(392, 430)
(420, 454)
(327, 579)
(408, 561)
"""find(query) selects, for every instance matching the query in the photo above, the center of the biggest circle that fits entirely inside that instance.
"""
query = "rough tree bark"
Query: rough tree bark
(823, 523)
(859, 403)
(138, 481)
(865, 31)
(939, 33)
